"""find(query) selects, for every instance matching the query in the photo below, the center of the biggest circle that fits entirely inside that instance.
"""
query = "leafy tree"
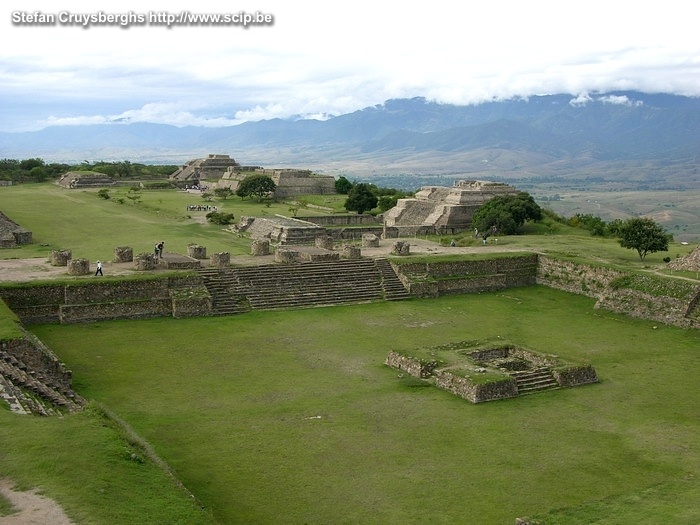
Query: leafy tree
(386, 202)
(223, 193)
(362, 197)
(259, 186)
(343, 185)
(644, 235)
(506, 213)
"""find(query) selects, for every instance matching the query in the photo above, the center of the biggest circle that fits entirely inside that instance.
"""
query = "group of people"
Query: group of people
(158, 250)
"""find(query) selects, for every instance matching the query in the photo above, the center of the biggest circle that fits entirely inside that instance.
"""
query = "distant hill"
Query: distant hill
(631, 138)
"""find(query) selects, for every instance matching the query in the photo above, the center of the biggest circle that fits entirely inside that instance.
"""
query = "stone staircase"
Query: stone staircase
(223, 287)
(303, 285)
(393, 287)
(46, 396)
(537, 380)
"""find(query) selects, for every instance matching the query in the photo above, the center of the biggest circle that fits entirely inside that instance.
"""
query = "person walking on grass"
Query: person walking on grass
(99, 269)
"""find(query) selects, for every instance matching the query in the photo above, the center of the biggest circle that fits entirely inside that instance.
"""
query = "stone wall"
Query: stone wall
(433, 279)
(93, 301)
(476, 392)
(607, 286)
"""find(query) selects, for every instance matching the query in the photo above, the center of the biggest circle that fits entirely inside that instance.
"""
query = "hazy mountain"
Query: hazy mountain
(617, 136)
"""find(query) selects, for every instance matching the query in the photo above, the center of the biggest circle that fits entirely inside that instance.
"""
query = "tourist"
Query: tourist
(99, 269)
(160, 248)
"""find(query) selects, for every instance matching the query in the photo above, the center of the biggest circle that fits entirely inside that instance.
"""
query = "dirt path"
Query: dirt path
(32, 508)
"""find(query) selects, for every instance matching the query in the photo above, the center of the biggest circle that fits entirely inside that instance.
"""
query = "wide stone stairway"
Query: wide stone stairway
(301, 285)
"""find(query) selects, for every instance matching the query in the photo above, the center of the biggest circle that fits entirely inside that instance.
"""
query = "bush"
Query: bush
(217, 217)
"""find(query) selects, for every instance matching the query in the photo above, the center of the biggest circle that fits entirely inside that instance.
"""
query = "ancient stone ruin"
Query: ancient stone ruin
(12, 234)
(689, 263)
(85, 179)
(289, 182)
(280, 230)
(489, 372)
(442, 210)
(212, 167)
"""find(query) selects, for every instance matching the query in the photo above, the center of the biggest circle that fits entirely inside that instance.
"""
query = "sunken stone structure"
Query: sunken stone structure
(12, 234)
(491, 371)
(442, 210)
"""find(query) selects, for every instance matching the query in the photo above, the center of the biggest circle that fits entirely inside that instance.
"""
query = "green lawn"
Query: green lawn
(291, 417)
(92, 227)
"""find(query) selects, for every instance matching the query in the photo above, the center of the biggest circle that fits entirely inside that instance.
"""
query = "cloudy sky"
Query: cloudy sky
(324, 58)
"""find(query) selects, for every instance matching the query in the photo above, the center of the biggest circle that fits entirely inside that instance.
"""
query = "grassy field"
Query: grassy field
(92, 227)
(292, 417)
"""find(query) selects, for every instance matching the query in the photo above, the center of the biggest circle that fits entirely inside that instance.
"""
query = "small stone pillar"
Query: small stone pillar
(197, 252)
(221, 260)
(370, 240)
(78, 267)
(283, 255)
(351, 252)
(61, 257)
(123, 254)
(260, 247)
(401, 248)
(145, 261)
(324, 241)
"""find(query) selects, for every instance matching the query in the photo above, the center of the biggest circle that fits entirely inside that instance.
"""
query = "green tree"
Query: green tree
(506, 213)
(223, 193)
(343, 185)
(362, 198)
(260, 186)
(644, 235)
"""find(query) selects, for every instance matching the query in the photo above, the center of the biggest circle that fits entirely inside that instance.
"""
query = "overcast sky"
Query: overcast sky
(319, 58)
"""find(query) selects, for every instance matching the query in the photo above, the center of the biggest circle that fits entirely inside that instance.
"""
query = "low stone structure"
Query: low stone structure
(260, 247)
(281, 230)
(370, 240)
(78, 267)
(145, 261)
(442, 210)
(288, 182)
(60, 257)
(12, 234)
(351, 252)
(197, 252)
(401, 248)
(123, 254)
(85, 179)
(491, 372)
(221, 260)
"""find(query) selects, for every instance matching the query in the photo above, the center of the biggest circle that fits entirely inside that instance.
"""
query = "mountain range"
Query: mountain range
(630, 138)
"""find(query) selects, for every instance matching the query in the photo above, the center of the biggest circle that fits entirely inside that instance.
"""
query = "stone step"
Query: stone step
(275, 286)
(531, 381)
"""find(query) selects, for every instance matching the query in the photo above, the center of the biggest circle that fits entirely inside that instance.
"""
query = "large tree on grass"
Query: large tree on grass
(506, 213)
(259, 186)
(644, 235)
(362, 198)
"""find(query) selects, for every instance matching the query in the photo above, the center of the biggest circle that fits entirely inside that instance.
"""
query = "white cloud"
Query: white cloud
(331, 58)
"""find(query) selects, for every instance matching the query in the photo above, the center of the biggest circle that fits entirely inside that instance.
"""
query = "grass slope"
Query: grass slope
(292, 417)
